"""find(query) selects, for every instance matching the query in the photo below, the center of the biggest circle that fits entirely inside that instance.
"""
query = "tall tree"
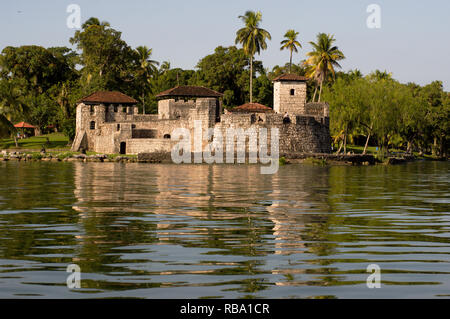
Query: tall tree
(253, 39)
(378, 75)
(290, 42)
(32, 77)
(107, 60)
(322, 60)
(225, 71)
(165, 66)
(146, 69)
(11, 106)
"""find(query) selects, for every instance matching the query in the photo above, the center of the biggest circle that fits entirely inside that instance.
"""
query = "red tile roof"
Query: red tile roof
(290, 77)
(107, 97)
(24, 125)
(189, 91)
(252, 108)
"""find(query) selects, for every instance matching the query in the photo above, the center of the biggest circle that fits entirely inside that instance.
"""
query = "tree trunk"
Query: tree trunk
(320, 91)
(345, 144)
(443, 148)
(386, 145)
(290, 62)
(345, 137)
(367, 143)
(340, 147)
(314, 96)
(143, 104)
(408, 147)
(251, 79)
(15, 140)
(434, 148)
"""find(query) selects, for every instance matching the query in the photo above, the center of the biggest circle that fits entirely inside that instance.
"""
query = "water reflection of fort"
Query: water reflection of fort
(210, 206)
(274, 207)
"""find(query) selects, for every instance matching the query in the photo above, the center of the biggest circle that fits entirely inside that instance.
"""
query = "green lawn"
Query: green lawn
(56, 140)
(357, 149)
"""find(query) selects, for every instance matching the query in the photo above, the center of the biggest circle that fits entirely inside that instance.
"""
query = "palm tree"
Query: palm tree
(355, 74)
(146, 68)
(165, 66)
(322, 60)
(380, 75)
(252, 38)
(290, 43)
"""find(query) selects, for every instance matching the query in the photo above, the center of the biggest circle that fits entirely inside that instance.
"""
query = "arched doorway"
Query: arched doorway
(123, 148)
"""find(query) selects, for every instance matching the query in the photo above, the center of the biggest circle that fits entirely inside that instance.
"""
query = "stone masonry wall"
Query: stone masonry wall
(136, 146)
(283, 101)
(172, 109)
(304, 134)
(318, 109)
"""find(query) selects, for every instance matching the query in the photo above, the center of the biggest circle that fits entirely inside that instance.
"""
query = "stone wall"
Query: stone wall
(174, 109)
(317, 109)
(119, 113)
(136, 146)
(143, 133)
(306, 134)
(283, 101)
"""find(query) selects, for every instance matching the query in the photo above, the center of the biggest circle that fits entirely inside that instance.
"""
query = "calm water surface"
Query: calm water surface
(224, 231)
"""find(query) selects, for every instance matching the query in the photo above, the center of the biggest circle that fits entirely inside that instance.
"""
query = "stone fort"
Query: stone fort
(109, 122)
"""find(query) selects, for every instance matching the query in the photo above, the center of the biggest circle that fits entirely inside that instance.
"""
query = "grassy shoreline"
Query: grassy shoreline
(58, 148)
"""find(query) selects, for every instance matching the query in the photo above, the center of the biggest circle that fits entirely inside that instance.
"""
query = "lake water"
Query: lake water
(224, 231)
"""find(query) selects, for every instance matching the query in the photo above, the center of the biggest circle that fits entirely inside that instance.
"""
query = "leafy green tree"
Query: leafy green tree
(291, 43)
(165, 80)
(225, 71)
(277, 70)
(146, 69)
(323, 59)
(36, 67)
(380, 75)
(107, 60)
(253, 39)
(41, 76)
(264, 90)
(437, 116)
(350, 75)
(345, 103)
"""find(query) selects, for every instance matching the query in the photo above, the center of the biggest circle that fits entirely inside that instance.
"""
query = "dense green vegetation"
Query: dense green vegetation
(380, 110)
(41, 85)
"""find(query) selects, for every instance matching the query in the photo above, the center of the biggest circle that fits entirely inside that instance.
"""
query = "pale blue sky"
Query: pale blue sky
(413, 42)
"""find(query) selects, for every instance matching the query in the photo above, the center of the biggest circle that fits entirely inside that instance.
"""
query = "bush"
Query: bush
(68, 128)
(64, 155)
(36, 156)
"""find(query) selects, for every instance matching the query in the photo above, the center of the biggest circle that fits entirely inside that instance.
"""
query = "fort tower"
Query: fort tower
(289, 94)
